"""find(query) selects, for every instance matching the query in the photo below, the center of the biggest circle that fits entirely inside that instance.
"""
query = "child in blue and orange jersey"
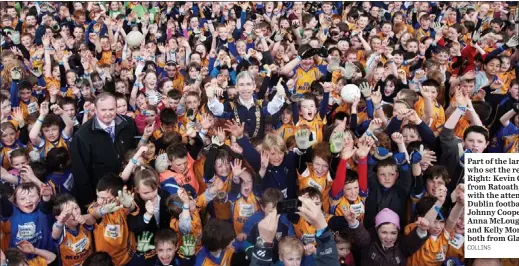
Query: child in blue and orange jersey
(349, 189)
(316, 173)
(21, 96)
(308, 116)
(49, 124)
(72, 231)
(304, 230)
(28, 216)
(287, 128)
(245, 201)
(218, 165)
(218, 248)
(111, 233)
(17, 159)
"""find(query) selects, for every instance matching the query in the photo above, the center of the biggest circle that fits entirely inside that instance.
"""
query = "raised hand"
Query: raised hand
(476, 36)
(125, 197)
(513, 42)
(45, 192)
(267, 227)
(337, 141)
(237, 169)
(148, 130)
(188, 245)
(303, 139)
(422, 224)
(110, 208)
(220, 134)
(376, 97)
(312, 213)
(364, 146)
(398, 138)
(207, 121)
(56, 109)
(375, 124)
(460, 189)
(365, 89)
(235, 129)
(441, 194)
(26, 247)
(310, 249)
(265, 159)
(66, 213)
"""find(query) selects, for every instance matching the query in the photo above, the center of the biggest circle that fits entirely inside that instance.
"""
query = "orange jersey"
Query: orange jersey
(181, 179)
(106, 58)
(38, 261)
(208, 260)
(438, 114)
(432, 253)
(286, 131)
(322, 183)
(316, 126)
(5, 234)
(243, 208)
(178, 82)
(305, 231)
(456, 246)
(26, 106)
(111, 235)
(305, 78)
(196, 223)
(52, 82)
(75, 249)
(46, 146)
(341, 205)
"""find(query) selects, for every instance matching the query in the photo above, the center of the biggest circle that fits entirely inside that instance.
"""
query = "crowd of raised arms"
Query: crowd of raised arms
(241, 133)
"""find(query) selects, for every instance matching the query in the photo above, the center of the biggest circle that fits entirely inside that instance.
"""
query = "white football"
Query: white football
(350, 92)
(134, 38)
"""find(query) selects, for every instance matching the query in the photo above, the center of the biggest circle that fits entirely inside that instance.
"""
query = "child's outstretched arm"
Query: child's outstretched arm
(505, 119)
(441, 194)
(69, 124)
(6, 176)
(184, 224)
(457, 211)
(27, 248)
(127, 172)
(364, 146)
(34, 135)
(398, 138)
(57, 227)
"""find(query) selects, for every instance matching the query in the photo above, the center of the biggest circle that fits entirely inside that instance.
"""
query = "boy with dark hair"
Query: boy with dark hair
(50, 127)
(111, 233)
(166, 248)
(181, 163)
(99, 259)
(428, 108)
(168, 123)
(72, 231)
(217, 239)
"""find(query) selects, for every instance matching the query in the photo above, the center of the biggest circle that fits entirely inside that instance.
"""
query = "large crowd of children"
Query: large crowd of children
(232, 111)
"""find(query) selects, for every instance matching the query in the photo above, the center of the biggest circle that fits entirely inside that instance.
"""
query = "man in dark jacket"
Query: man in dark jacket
(99, 146)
